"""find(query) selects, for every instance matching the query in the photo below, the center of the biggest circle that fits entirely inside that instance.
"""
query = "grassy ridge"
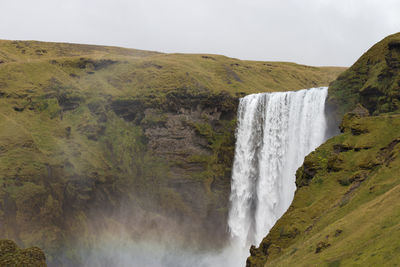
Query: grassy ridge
(133, 72)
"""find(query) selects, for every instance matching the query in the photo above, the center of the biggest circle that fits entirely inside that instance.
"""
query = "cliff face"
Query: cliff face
(192, 138)
(94, 139)
(345, 211)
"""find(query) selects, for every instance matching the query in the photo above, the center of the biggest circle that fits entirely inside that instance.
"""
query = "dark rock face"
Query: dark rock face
(369, 96)
(387, 154)
(173, 135)
(306, 172)
(174, 132)
(87, 63)
(179, 126)
(68, 102)
(130, 110)
(392, 58)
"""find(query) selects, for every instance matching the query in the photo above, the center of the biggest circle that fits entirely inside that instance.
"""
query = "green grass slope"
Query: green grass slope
(345, 211)
(80, 139)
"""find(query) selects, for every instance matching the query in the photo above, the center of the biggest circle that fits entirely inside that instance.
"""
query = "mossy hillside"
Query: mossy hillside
(372, 81)
(74, 148)
(345, 211)
(11, 255)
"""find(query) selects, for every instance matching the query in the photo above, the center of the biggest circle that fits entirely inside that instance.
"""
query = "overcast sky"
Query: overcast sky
(313, 32)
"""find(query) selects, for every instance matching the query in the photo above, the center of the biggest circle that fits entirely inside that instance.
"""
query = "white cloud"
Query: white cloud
(315, 32)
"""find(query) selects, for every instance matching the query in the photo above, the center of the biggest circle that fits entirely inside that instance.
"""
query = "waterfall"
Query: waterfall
(275, 132)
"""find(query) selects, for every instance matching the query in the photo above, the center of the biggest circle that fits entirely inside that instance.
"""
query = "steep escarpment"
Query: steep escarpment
(192, 136)
(99, 139)
(345, 210)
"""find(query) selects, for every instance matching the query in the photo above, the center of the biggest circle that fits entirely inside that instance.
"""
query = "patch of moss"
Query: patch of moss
(11, 255)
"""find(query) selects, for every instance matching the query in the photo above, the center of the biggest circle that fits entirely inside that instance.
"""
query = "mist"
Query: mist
(136, 237)
(124, 252)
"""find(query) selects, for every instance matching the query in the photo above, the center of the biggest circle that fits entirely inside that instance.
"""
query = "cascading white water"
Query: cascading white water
(275, 132)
